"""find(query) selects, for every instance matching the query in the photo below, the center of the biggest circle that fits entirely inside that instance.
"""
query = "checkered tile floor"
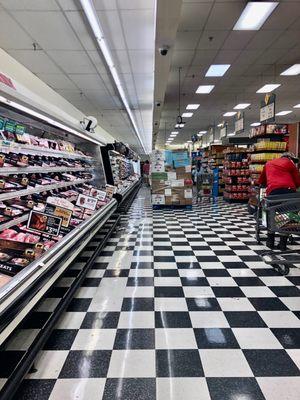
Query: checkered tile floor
(179, 306)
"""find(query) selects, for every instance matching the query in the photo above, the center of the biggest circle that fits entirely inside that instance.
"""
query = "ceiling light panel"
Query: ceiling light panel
(229, 114)
(297, 106)
(192, 106)
(174, 133)
(283, 112)
(217, 70)
(219, 125)
(268, 88)
(187, 115)
(202, 132)
(255, 124)
(255, 15)
(241, 106)
(205, 89)
(292, 71)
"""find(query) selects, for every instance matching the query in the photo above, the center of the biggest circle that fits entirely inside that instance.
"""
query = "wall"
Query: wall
(33, 91)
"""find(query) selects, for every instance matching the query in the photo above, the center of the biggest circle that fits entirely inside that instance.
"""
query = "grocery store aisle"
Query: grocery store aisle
(178, 306)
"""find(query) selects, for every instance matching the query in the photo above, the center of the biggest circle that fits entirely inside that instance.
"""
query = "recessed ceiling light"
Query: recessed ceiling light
(255, 124)
(229, 114)
(293, 70)
(181, 125)
(173, 135)
(192, 106)
(283, 113)
(217, 69)
(268, 88)
(241, 106)
(205, 89)
(219, 125)
(187, 115)
(231, 134)
(189, 141)
(297, 106)
(202, 132)
(174, 132)
(254, 15)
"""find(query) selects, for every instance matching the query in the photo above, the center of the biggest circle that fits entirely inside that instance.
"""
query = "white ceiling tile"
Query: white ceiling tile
(182, 58)
(78, 23)
(237, 40)
(203, 57)
(186, 40)
(97, 61)
(135, 4)
(287, 40)
(88, 81)
(49, 29)
(194, 16)
(34, 5)
(111, 24)
(73, 61)
(263, 39)
(283, 16)
(68, 5)
(224, 15)
(292, 56)
(212, 40)
(100, 99)
(142, 61)
(12, 36)
(227, 57)
(122, 61)
(57, 81)
(36, 61)
(271, 56)
(101, 5)
(248, 57)
(138, 29)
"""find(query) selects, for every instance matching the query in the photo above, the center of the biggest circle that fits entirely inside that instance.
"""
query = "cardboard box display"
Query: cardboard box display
(158, 199)
(184, 169)
(184, 175)
(172, 175)
(159, 176)
(177, 183)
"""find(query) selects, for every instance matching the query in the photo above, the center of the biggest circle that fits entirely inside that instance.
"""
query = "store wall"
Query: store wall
(35, 92)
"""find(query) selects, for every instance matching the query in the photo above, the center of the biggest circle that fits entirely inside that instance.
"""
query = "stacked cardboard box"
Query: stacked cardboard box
(174, 185)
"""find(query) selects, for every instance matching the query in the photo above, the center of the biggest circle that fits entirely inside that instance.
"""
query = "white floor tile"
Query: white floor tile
(79, 389)
(175, 338)
(235, 304)
(198, 291)
(256, 338)
(136, 319)
(182, 389)
(132, 364)
(170, 304)
(257, 291)
(280, 319)
(49, 364)
(208, 319)
(94, 339)
(167, 281)
(70, 320)
(220, 281)
(280, 388)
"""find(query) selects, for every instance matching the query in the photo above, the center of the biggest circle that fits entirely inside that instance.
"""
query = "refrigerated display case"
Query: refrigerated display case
(53, 199)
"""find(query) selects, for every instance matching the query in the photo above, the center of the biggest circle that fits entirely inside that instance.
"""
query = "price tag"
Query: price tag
(99, 194)
(87, 202)
(44, 223)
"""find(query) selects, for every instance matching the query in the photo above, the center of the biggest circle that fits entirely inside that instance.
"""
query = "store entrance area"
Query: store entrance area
(178, 306)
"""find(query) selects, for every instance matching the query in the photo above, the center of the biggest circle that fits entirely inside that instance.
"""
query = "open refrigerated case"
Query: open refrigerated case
(122, 169)
(53, 200)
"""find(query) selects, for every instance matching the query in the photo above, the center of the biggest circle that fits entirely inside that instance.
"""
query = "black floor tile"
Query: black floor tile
(244, 319)
(188, 265)
(170, 319)
(228, 291)
(234, 389)
(79, 304)
(178, 363)
(215, 338)
(237, 264)
(168, 291)
(218, 272)
(194, 281)
(8, 361)
(271, 363)
(288, 337)
(138, 304)
(166, 259)
(99, 265)
(134, 339)
(116, 273)
(91, 282)
(100, 320)
(142, 265)
(248, 281)
(35, 320)
(130, 389)
(86, 364)
(57, 292)
(268, 304)
(34, 389)
(143, 281)
(61, 339)
(203, 304)
(286, 291)
(162, 273)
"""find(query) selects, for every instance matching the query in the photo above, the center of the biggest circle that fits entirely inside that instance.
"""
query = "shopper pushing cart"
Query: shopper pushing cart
(281, 177)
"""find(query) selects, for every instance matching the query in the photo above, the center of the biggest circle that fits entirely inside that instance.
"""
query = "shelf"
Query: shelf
(14, 222)
(41, 188)
(41, 151)
(269, 135)
(266, 151)
(42, 170)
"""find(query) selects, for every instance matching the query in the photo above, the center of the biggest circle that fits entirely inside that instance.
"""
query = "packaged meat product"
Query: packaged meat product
(20, 237)
(31, 238)
(39, 207)
(8, 234)
(43, 143)
(23, 262)
(33, 140)
(2, 159)
(49, 244)
(4, 257)
(4, 279)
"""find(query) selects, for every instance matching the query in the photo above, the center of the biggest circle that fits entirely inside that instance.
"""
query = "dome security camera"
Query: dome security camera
(164, 50)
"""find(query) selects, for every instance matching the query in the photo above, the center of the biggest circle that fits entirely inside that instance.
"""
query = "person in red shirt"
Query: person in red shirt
(280, 176)
(146, 171)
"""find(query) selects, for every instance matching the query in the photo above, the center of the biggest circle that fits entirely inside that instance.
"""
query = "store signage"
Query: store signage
(239, 122)
(1, 124)
(10, 126)
(110, 190)
(99, 194)
(210, 135)
(20, 129)
(64, 213)
(7, 81)
(267, 108)
(86, 202)
(44, 223)
(223, 132)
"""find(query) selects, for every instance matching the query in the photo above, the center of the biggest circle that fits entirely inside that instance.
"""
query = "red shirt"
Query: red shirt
(146, 169)
(280, 173)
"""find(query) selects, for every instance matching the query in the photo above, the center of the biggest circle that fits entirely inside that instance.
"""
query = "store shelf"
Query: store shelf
(14, 222)
(41, 188)
(41, 170)
(39, 151)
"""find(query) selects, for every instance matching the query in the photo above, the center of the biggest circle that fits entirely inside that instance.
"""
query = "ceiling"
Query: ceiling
(68, 60)
(204, 36)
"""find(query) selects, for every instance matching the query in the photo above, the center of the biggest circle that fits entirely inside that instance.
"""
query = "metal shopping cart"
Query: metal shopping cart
(281, 214)
(204, 186)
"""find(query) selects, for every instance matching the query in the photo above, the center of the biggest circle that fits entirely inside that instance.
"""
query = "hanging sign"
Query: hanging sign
(239, 122)
(223, 130)
(211, 135)
(267, 108)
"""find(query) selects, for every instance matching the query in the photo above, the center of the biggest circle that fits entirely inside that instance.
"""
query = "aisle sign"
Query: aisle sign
(239, 122)
(211, 135)
(267, 108)
(223, 131)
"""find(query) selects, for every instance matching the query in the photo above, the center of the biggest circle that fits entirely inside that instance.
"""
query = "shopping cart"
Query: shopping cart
(281, 214)
(258, 215)
(204, 186)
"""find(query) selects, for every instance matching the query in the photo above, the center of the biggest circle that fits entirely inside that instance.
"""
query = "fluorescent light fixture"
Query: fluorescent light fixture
(217, 141)
(205, 89)
(283, 112)
(268, 88)
(293, 70)
(181, 125)
(231, 134)
(255, 124)
(202, 132)
(91, 14)
(241, 106)
(297, 106)
(199, 134)
(187, 115)
(254, 15)
(174, 133)
(219, 125)
(229, 114)
(189, 141)
(217, 69)
(192, 106)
